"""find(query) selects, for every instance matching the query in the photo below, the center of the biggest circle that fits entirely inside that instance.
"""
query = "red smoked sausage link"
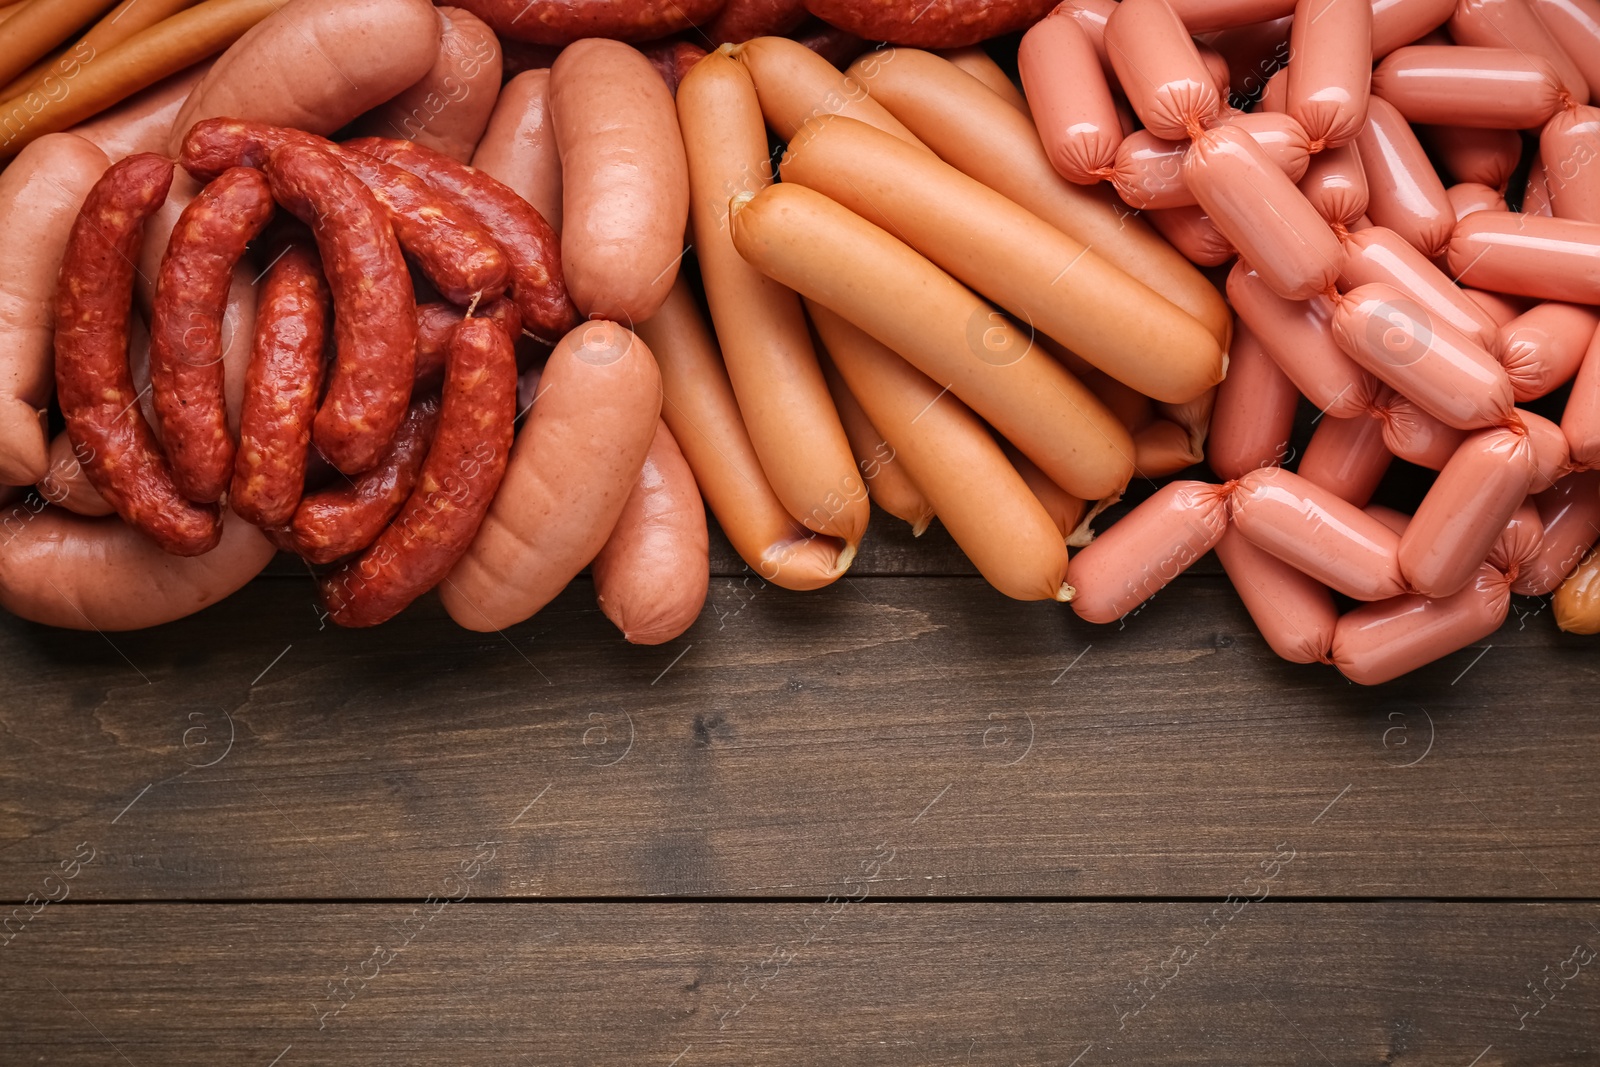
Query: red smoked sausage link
(560, 22)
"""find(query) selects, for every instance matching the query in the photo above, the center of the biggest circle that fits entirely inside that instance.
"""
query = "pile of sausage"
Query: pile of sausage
(567, 305)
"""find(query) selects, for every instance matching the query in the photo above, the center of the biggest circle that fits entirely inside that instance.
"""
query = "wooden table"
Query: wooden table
(899, 821)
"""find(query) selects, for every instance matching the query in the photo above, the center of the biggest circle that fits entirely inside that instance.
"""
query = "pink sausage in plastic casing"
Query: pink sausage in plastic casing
(1092, 16)
(1378, 254)
(1204, 16)
(1148, 170)
(1463, 513)
(1275, 96)
(1190, 230)
(1443, 85)
(1569, 148)
(1447, 373)
(1403, 191)
(1575, 24)
(1160, 69)
(1294, 612)
(1070, 100)
(1474, 154)
(1414, 435)
(1536, 191)
(1542, 348)
(1217, 64)
(1312, 529)
(1528, 255)
(1467, 197)
(1514, 24)
(1253, 53)
(1580, 422)
(1336, 185)
(1147, 548)
(1330, 69)
(1348, 457)
(1520, 543)
(1297, 335)
(1377, 643)
(1570, 514)
(1399, 22)
(1552, 456)
(1261, 213)
(1254, 416)
(1395, 520)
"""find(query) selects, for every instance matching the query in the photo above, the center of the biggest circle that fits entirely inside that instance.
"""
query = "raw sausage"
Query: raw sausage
(449, 108)
(1474, 154)
(1515, 24)
(571, 471)
(1445, 85)
(651, 577)
(1528, 255)
(561, 22)
(1399, 22)
(1148, 171)
(888, 484)
(1295, 613)
(1404, 192)
(1336, 186)
(1147, 548)
(1191, 231)
(1330, 69)
(1377, 643)
(1414, 435)
(1467, 197)
(1570, 514)
(1070, 100)
(1205, 16)
(1569, 145)
(1575, 25)
(519, 147)
(795, 84)
(1542, 348)
(930, 23)
(1520, 543)
(1160, 70)
(1580, 421)
(1255, 411)
(1536, 191)
(1348, 457)
(1378, 254)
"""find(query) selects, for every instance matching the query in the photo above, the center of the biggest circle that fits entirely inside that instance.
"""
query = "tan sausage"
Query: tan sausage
(888, 484)
(760, 327)
(976, 62)
(143, 122)
(795, 84)
(449, 108)
(624, 178)
(519, 147)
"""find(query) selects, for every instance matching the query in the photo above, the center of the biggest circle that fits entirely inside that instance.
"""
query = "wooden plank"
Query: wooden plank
(1009, 749)
(690, 985)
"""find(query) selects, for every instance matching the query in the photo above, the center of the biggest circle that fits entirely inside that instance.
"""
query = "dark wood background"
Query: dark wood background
(902, 820)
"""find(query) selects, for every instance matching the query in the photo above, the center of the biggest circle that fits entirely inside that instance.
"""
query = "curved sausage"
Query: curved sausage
(742, 20)
(1542, 348)
(700, 410)
(1465, 510)
(186, 371)
(1377, 643)
(449, 108)
(948, 452)
(1347, 457)
(888, 484)
(975, 61)
(1399, 22)
(66, 484)
(1336, 186)
(1070, 100)
(761, 329)
(1422, 357)
(1147, 548)
(827, 254)
(1474, 154)
(1570, 515)
(437, 322)
(1261, 213)
(1528, 255)
(1330, 69)
(315, 67)
(1508, 24)
(375, 316)
(93, 382)
(142, 123)
(1404, 192)
(1467, 197)
(795, 84)
(519, 147)
(1295, 613)
(976, 132)
(1311, 528)
(1446, 85)
(40, 194)
(99, 574)
(1160, 69)
(930, 23)
(282, 390)
(565, 487)
(651, 577)
(1057, 285)
(624, 179)
(1255, 411)
(1378, 254)
(561, 22)
(1568, 146)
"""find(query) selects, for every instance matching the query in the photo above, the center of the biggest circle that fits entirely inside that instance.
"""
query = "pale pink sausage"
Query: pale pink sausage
(1414, 435)
(1536, 191)
(1448, 374)
(1092, 15)
(1261, 213)
(1312, 529)
(1336, 185)
(448, 109)
(1520, 543)
(1348, 457)
(1255, 410)
(1330, 69)
(1147, 548)
(1514, 24)
(1191, 231)
(1148, 170)
(1463, 513)
(1297, 335)
(1569, 149)
(1575, 24)
(1473, 154)
(1494, 88)
(1399, 22)
(1217, 65)
(1069, 98)
(1552, 456)
(519, 146)
(1570, 515)
(1377, 643)
(1467, 197)
(1528, 255)
(1204, 16)
(1378, 254)
(1160, 69)
(1294, 612)
(1404, 192)
(1580, 422)
(1542, 348)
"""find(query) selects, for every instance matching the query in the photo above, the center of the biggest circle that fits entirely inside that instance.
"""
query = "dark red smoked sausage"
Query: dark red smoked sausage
(436, 322)
(560, 22)
(93, 382)
(459, 479)
(282, 386)
(531, 246)
(375, 315)
(930, 23)
(186, 328)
